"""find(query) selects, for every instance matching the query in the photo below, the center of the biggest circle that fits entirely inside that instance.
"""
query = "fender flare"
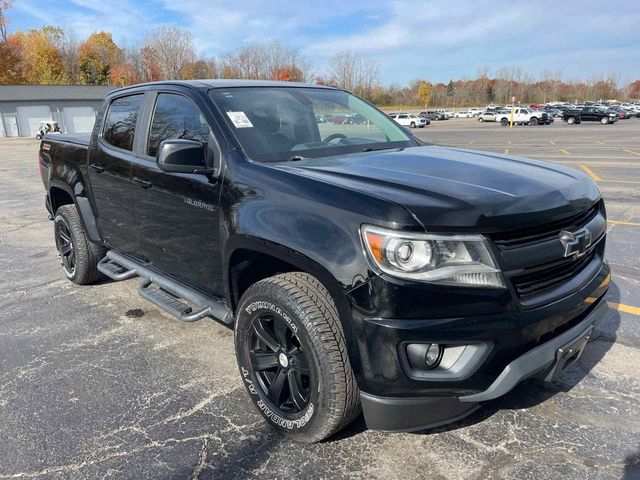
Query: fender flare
(83, 206)
(306, 264)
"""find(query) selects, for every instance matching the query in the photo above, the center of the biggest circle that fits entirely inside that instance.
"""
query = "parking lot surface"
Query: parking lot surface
(97, 383)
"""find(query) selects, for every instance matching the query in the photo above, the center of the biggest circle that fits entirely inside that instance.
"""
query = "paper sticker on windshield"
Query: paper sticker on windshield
(239, 119)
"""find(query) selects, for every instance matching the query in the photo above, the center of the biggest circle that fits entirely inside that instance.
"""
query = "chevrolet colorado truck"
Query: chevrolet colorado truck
(360, 269)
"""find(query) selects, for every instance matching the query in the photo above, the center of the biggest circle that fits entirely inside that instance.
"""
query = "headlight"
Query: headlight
(444, 259)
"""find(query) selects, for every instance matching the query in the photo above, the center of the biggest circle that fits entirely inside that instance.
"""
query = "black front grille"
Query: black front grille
(535, 262)
(520, 238)
(547, 277)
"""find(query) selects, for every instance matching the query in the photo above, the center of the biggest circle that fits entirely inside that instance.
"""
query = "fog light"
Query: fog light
(433, 355)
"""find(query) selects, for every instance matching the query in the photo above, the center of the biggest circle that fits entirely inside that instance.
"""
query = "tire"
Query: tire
(504, 122)
(604, 121)
(571, 120)
(481, 119)
(533, 121)
(412, 125)
(79, 257)
(316, 361)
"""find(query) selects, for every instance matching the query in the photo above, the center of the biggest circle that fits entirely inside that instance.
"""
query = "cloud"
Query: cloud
(429, 39)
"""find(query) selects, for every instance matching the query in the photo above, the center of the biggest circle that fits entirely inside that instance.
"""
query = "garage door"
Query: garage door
(79, 119)
(29, 119)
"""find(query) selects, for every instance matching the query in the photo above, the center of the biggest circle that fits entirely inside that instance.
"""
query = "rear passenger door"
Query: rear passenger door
(109, 171)
(178, 220)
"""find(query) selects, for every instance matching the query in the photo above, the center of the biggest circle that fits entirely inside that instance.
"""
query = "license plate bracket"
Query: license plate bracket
(568, 354)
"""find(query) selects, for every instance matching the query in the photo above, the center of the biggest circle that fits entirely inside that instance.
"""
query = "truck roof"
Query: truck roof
(221, 83)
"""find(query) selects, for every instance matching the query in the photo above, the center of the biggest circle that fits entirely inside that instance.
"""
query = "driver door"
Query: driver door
(177, 213)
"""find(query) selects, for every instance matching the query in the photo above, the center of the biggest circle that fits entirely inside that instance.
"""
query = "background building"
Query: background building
(74, 107)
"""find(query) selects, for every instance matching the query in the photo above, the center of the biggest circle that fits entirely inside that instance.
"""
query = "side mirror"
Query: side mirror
(181, 156)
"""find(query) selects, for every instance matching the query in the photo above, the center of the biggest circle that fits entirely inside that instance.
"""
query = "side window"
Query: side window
(120, 122)
(176, 116)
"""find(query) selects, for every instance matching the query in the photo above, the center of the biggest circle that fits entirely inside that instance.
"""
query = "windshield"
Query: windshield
(284, 123)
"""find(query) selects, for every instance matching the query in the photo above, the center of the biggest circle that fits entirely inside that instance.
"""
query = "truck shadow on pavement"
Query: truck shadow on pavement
(533, 392)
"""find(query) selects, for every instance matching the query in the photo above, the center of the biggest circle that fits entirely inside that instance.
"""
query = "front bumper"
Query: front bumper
(546, 361)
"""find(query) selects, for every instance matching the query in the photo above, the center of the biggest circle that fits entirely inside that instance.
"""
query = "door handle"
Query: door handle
(142, 183)
(96, 168)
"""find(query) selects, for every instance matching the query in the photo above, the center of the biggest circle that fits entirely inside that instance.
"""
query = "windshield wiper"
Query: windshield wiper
(371, 149)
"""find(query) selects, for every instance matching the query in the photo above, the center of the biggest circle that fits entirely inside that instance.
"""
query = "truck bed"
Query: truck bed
(78, 139)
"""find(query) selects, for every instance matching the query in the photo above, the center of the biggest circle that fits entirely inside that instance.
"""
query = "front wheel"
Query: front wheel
(413, 125)
(292, 356)
(533, 121)
(481, 119)
(604, 120)
(504, 122)
(571, 120)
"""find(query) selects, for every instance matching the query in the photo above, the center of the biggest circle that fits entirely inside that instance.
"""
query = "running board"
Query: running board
(180, 301)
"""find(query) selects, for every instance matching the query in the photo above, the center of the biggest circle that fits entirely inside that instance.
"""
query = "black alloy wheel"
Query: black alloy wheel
(65, 246)
(280, 364)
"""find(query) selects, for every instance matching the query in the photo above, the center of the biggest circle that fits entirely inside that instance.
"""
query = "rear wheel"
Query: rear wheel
(481, 119)
(293, 358)
(504, 122)
(78, 256)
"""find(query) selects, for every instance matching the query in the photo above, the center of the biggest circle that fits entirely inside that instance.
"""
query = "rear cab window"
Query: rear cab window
(120, 121)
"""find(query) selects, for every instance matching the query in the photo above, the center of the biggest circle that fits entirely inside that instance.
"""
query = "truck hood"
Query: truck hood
(455, 188)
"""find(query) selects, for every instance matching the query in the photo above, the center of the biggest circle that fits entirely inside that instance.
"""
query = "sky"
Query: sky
(434, 40)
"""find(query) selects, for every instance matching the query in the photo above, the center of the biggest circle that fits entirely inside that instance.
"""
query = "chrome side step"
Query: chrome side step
(180, 301)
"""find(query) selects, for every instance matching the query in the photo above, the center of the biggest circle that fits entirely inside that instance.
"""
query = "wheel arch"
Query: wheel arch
(246, 252)
(61, 194)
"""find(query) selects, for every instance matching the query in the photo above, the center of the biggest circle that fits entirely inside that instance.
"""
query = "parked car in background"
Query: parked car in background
(433, 115)
(589, 114)
(464, 114)
(476, 111)
(409, 120)
(490, 116)
(524, 116)
(553, 112)
(620, 112)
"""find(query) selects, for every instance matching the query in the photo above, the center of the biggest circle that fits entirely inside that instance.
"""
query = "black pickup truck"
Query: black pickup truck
(359, 268)
(589, 114)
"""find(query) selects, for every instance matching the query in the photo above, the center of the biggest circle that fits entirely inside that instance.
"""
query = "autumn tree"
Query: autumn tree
(10, 64)
(424, 93)
(122, 74)
(40, 61)
(198, 70)
(266, 61)
(354, 72)
(96, 56)
(633, 90)
(171, 50)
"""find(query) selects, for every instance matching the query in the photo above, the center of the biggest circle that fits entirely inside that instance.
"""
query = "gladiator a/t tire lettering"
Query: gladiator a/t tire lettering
(287, 328)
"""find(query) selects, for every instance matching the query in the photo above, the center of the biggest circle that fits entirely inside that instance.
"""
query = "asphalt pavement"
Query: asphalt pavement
(97, 383)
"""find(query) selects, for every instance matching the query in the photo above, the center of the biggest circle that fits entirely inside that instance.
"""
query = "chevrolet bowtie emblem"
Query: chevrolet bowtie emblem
(575, 243)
